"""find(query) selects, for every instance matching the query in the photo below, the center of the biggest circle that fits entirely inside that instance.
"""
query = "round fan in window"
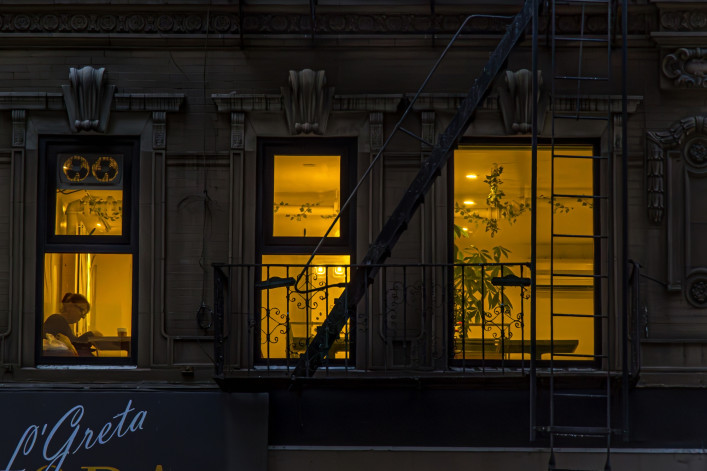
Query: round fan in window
(76, 168)
(105, 169)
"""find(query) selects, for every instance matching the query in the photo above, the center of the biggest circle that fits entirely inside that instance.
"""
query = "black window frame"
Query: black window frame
(48, 242)
(598, 291)
(267, 244)
(267, 149)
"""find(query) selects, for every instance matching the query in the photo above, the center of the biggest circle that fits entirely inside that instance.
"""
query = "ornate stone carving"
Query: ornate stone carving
(516, 100)
(655, 184)
(159, 130)
(88, 99)
(375, 124)
(19, 128)
(47, 20)
(696, 291)
(696, 153)
(687, 67)
(307, 101)
(684, 20)
(676, 165)
(237, 131)
(659, 142)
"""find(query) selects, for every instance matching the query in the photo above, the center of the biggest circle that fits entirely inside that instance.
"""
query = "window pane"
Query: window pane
(492, 190)
(89, 195)
(306, 195)
(289, 319)
(87, 299)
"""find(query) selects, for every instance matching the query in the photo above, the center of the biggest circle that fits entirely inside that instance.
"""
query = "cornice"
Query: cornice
(442, 102)
(41, 101)
(185, 21)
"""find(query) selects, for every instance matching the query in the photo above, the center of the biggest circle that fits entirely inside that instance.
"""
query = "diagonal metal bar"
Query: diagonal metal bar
(379, 251)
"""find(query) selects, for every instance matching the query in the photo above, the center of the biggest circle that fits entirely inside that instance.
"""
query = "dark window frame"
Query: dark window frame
(267, 149)
(598, 292)
(267, 244)
(49, 242)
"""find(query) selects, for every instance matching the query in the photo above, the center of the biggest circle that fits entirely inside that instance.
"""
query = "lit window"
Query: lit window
(88, 243)
(89, 195)
(87, 304)
(304, 184)
(306, 195)
(291, 315)
(492, 320)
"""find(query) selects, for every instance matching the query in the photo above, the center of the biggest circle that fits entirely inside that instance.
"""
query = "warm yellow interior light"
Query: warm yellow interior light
(469, 202)
(495, 231)
(306, 195)
(472, 176)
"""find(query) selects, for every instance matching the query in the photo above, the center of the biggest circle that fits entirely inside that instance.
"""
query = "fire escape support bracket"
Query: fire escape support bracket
(362, 276)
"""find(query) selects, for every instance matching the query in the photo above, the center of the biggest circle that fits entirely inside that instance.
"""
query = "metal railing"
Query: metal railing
(414, 317)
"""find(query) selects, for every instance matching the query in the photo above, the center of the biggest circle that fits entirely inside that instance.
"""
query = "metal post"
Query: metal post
(533, 226)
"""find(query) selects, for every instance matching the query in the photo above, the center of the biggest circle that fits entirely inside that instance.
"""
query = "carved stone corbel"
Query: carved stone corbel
(686, 67)
(88, 99)
(19, 128)
(515, 96)
(307, 101)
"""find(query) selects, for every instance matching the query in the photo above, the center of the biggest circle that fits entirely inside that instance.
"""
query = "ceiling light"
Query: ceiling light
(469, 202)
(472, 176)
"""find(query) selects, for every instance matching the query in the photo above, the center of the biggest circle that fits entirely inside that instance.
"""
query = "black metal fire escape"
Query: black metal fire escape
(581, 413)
(381, 248)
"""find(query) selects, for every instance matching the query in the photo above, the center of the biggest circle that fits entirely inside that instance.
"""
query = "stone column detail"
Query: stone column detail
(19, 128)
(237, 131)
(375, 124)
(159, 129)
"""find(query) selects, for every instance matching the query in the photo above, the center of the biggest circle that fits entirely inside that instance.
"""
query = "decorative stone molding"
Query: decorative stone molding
(184, 20)
(307, 101)
(88, 99)
(19, 128)
(388, 103)
(31, 101)
(696, 288)
(117, 22)
(686, 67)
(516, 101)
(375, 123)
(676, 167)
(659, 143)
(692, 20)
(655, 183)
(237, 131)
(170, 102)
(159, 130)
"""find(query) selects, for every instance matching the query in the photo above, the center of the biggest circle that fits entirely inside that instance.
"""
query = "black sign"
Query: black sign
(132, 431)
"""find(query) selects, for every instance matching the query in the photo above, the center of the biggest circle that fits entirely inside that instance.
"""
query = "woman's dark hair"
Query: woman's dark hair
(76, 298)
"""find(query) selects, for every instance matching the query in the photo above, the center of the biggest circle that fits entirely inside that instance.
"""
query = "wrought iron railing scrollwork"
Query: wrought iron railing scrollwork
(486, 302)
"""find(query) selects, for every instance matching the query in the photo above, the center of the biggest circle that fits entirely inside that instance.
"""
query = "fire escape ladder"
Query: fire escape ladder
(580, 406)
(381, 248)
